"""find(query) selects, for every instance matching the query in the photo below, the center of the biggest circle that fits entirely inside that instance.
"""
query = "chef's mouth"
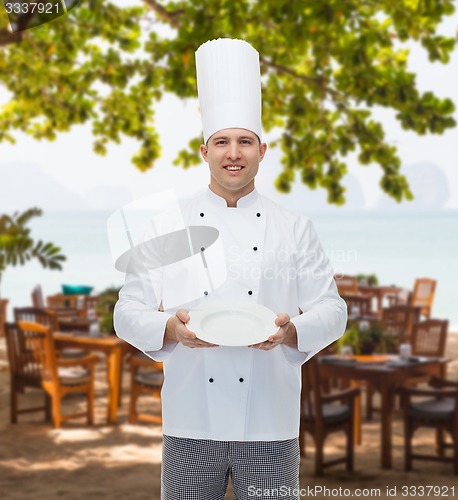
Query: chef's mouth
(233, 168)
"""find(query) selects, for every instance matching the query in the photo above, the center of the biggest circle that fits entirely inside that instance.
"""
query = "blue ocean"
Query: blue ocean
(396, 247)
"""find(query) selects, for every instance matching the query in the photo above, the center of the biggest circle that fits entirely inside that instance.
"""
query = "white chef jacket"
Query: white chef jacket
(273, 258)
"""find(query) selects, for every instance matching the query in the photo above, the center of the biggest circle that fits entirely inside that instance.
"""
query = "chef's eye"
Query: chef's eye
(220, 142)
(245, 141)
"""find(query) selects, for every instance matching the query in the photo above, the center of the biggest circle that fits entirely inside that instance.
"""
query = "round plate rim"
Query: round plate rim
(199, 312)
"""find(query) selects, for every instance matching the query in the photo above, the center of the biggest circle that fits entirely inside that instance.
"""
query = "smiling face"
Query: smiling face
(233, 156)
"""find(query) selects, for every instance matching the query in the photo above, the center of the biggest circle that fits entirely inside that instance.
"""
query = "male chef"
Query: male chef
(234, 411)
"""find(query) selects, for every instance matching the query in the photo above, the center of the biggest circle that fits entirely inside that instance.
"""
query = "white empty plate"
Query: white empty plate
(232, 323)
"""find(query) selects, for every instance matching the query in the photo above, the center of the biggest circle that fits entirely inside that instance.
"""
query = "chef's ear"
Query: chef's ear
(262, 150)
(204, 152)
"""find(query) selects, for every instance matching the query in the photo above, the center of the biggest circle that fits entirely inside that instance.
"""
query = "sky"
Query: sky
(66, 174)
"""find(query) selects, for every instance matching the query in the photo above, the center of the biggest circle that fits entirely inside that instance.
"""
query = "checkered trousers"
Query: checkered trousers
(199, 469)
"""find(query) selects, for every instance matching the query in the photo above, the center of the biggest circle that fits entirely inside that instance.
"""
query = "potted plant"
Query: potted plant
(17, 247)
(367, 279)
(366, 337)
(105, 307)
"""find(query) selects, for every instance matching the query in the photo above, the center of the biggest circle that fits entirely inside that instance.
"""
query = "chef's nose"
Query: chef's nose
(234, 150)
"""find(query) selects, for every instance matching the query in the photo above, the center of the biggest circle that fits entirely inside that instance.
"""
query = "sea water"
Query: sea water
(396, 247)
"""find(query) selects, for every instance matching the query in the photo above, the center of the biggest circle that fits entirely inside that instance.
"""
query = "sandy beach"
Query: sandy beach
(124, 461)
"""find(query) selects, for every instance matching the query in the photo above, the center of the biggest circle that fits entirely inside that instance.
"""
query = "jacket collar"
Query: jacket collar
(244, 202)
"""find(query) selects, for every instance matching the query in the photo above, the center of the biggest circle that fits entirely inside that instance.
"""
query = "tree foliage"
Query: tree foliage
(325, 64)
(17, 246)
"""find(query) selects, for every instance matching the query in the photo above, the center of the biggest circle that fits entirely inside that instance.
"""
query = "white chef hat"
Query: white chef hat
(229, 86)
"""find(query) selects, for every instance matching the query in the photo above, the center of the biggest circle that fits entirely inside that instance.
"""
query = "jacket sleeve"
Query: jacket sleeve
(324, 312)
(137, 318)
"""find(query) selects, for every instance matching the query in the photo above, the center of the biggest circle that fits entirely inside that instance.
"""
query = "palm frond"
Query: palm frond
(24, 218)
(17, 246)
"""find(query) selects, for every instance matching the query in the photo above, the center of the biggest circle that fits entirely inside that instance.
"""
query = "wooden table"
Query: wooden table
(114, 348)
(74, 323)
(385, 377)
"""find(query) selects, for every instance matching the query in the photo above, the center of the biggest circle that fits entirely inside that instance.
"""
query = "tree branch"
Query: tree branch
(21, 23)
(6, 37)
(318, 81)
(169, 17)
(289, 71)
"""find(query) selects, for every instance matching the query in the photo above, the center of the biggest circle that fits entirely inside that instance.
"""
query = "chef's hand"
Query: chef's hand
(177, 331)
(286, 334)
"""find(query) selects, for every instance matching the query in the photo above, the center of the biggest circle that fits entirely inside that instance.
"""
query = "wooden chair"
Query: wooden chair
(423, 295)
(359, 304)
(429, 338)
(439, 411)
(23, 374)
(47, 317)
(145, 378)
(33, 363)
(398, 321)
(322, 414)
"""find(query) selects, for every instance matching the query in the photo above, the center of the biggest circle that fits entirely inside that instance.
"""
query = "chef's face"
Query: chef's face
(233, 156)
